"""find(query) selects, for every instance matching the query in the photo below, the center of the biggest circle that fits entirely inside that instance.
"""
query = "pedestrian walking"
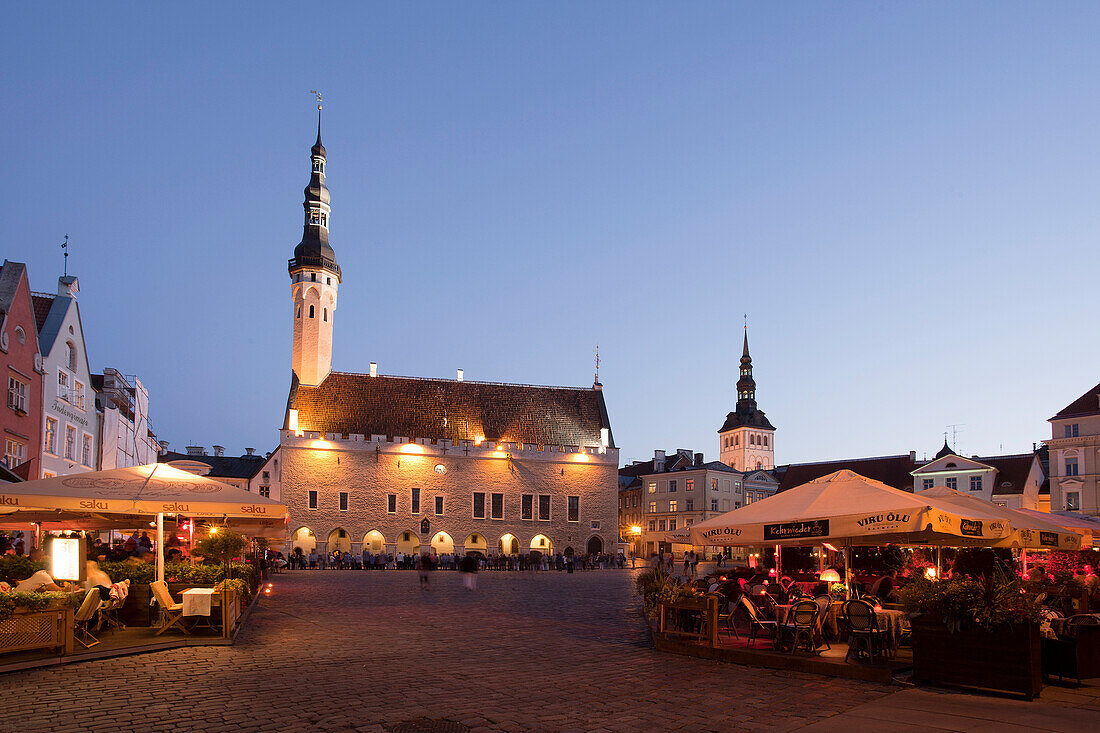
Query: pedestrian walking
(468, 567)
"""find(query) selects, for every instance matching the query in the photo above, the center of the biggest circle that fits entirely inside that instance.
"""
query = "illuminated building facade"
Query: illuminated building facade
(21, 418)
(401, 464)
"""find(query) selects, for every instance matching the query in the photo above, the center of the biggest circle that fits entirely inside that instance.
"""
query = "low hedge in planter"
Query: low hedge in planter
(980, 633)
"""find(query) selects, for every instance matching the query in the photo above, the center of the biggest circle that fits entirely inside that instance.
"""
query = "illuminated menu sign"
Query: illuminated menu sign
(68, 558)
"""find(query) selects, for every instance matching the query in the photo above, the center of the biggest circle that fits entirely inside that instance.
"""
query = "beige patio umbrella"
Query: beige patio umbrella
(847, 508)
(1070, 520)
(1027, 531)
(101, 498)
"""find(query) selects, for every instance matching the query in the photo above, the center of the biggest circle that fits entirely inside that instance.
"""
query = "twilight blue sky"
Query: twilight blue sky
(903, 198)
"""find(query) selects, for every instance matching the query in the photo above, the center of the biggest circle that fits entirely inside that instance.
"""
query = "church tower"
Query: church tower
(315, 278)
(746, 439)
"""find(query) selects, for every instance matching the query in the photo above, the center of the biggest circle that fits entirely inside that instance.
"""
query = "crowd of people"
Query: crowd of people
(368, 560)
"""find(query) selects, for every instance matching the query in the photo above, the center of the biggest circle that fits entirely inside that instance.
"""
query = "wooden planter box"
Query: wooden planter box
(1005, 661)
(136, 611)
(45, 629)
(1077, 657)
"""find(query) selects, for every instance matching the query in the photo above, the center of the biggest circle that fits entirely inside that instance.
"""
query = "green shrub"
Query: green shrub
(37, 601)
(14, 568)
(987, 603)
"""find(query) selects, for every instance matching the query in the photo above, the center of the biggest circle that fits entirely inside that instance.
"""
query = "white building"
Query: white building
(69, 427)
(125, 435)
(1011, 481)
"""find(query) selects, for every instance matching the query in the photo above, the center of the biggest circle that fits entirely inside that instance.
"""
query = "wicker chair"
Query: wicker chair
(758, 624)
(865, 636)
(801, 626)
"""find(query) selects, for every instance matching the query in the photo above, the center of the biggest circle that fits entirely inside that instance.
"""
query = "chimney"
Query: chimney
(913, 456)
(249, 451)
(219, 450)
(196, 450)
(658, 461)
(698, 459)
(460, 375)
(163, 447)
(373, 369)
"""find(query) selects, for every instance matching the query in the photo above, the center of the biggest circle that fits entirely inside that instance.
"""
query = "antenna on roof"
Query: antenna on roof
(597, 379)
(65, 251)
(954, 429)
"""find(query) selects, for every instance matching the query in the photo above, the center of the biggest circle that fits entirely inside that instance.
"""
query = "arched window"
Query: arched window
(752, 439)
(20, 335)
(70, 354)
(765, 441)
(325, 314)
(311, 311)
(736, 440)
(299, 314)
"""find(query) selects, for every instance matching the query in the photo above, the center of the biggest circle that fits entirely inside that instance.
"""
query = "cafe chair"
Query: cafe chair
(865, 636)
(757, 624)
(83, 619)
(800, 626)
(171, 613)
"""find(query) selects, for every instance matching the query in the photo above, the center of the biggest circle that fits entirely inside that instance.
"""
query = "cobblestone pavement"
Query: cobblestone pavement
(366, 651)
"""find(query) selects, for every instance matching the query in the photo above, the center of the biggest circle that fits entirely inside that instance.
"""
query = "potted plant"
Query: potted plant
(980, 633)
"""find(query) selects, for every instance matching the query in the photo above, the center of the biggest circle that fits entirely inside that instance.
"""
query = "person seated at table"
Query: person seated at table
(1037, 573)
(883, 588)
(40, 582)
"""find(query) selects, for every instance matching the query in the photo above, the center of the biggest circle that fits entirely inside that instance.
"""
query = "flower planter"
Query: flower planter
(1007, 660)
(41, 629)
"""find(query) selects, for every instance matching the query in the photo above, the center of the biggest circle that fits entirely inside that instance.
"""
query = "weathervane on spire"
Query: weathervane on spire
(746, 321)
(65, 251)
(314, 91)
(597, 380)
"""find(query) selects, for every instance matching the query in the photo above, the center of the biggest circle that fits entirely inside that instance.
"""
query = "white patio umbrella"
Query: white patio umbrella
(1072, 521)
(847, 508)
(1028, 531)
(100, 498)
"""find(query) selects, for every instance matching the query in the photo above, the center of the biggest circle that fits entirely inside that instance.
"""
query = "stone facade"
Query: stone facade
(370, 470)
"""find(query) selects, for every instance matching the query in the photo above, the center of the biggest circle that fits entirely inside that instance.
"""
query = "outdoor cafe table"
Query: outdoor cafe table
(197, 601)
(890, 623)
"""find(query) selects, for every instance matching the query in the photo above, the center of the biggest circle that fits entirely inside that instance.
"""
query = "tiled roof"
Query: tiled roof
(1086, 404)
(890, 470)
(1012, 472)
(244, 467)
(437, 409)
(42, 305)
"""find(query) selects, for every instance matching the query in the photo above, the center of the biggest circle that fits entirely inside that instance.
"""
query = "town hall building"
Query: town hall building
(404, 464)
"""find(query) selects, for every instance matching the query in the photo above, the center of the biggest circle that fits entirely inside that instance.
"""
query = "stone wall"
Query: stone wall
(371, 470)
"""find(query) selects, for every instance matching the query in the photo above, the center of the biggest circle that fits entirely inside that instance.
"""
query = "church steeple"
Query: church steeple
(746, 437)
(314, 249)
(315, 277)
(746, 385)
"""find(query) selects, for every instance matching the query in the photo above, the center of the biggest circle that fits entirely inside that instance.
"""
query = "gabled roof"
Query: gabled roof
(891, 470)
(243, 467)
(437, 409)
(1086, 404)
(952, 462)
(42, 305)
